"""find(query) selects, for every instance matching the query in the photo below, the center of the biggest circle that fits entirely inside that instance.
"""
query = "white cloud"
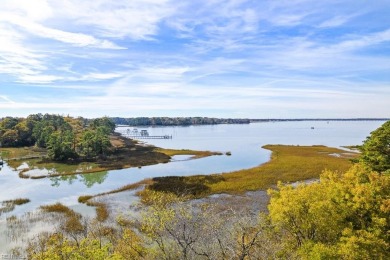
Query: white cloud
(363, 41)
(38, 79)
(77, 39)
(5, 99)
(37, 10)
(335, 21)
(136, 19)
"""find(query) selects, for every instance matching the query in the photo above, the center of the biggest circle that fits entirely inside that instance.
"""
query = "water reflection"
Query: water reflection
(58, 180)
(93, 178)
(89, 179)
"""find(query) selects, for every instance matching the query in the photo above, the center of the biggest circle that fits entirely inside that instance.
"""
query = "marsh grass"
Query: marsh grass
(9, 205)
(19, 201)
(287, 164)
(58, 208)
(102, 212)
(195, 154)
(11, 153)
(86, 198)
(19, 228)
(73, 220)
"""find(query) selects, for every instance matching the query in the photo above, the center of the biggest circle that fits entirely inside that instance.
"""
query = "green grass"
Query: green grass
(287, 164)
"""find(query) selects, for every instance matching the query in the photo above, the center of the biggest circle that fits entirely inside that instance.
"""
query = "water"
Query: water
(243, 141)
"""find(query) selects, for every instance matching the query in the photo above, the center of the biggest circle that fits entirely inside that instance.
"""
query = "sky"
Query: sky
(214, 58)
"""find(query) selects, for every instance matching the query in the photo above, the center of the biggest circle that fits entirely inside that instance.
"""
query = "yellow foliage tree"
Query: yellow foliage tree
(342, 216)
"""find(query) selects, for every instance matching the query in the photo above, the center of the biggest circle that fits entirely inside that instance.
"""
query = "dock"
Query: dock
(148, 137)
(143, 134)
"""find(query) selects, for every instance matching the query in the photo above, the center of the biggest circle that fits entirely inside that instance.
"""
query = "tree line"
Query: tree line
(176, 121)
(64, 137)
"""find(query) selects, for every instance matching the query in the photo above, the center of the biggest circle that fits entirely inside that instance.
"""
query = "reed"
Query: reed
(195, 154)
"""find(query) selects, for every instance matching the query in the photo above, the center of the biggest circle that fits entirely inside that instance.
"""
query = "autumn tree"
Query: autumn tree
(340, 216)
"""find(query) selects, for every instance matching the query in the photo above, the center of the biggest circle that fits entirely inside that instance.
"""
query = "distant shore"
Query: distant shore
(188, 121)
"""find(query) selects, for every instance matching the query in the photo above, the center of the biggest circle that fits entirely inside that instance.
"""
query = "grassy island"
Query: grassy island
(42, 146)
(123, 153)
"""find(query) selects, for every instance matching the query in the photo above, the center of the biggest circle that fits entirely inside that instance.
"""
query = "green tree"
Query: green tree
(104, 123)
(60, 146)
(376, 149)
(10, 138)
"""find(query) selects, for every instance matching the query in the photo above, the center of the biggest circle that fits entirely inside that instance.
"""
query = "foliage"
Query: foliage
(56, 246)
(347, 212)
(376, 149)
(64, 137)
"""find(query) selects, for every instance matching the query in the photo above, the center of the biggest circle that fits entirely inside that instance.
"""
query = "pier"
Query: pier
(148, 137)
(143, 134)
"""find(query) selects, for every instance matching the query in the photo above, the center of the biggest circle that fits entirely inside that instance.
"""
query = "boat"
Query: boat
(144, 133)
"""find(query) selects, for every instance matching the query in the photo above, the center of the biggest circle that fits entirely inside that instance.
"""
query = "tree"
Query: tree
(57, 246)
(64, 137)
(10, 138)
(60, 146)
(376, 149)
(104, 123)
(342, 215)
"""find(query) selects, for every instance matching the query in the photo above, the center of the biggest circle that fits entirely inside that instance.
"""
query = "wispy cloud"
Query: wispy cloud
(4, 99)
(77, 39)
(335, 21)
(137, 19)
(160, 57)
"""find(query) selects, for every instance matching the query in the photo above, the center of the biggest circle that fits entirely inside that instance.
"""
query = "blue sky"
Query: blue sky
(217, 58)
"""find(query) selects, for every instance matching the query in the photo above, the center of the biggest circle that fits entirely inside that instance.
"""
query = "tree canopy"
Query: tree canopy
(64, 137)
(344, 216)
(376, 149)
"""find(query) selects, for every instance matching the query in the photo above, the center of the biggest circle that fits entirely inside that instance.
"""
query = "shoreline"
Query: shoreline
(126, 153)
